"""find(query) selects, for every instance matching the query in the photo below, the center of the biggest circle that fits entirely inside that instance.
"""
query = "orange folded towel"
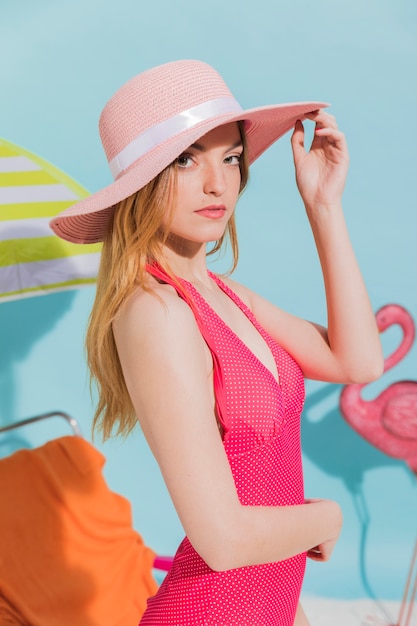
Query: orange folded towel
(68, 553)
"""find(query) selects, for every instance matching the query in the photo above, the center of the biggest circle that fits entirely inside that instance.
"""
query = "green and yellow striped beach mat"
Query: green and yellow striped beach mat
(33, 260)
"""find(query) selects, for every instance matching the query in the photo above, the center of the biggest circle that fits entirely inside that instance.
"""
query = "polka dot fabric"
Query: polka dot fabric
(261, 421)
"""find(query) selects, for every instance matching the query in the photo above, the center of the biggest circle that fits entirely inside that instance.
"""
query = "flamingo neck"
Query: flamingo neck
(407, 327)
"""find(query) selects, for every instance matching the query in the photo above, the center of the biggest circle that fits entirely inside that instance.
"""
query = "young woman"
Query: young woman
(213, 372)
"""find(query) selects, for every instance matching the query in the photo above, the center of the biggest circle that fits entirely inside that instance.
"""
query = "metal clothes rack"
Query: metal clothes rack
(37, 418)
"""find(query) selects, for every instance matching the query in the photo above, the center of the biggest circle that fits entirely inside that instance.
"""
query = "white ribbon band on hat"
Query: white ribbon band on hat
(155, 135)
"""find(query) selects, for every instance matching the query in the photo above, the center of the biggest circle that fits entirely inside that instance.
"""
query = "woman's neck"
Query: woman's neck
(191, 266)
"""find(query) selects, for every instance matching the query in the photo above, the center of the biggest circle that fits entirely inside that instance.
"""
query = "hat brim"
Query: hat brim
(87, 220)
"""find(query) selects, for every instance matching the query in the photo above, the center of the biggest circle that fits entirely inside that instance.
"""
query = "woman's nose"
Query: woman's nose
(214, 180)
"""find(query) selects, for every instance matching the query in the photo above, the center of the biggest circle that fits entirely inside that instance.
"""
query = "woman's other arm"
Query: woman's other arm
(167, 368)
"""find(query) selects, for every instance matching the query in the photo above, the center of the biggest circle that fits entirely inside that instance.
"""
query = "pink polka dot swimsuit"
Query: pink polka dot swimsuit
(261, 421)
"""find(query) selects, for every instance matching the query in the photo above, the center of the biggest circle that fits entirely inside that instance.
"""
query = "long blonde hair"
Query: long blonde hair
(134, 238)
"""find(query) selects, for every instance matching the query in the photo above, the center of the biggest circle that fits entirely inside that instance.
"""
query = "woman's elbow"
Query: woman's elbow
(378, 370)
(220, 562)
(220, 553)
(365, 372)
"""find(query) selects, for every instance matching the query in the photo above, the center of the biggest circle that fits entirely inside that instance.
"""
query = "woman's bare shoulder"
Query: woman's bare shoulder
(160, 303)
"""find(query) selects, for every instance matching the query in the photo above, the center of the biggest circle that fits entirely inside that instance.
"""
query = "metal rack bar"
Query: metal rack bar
(37, 418)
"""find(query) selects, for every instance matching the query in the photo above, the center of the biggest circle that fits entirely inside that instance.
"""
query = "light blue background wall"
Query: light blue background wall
(60, 61)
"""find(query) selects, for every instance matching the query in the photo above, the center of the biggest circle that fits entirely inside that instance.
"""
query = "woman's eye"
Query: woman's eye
(233, 159)
(184, 160)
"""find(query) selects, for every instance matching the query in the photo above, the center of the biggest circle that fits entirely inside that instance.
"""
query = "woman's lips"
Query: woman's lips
(212, 212)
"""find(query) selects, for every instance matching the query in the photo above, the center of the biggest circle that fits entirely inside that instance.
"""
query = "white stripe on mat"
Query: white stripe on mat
(25, 229)
(35, 193)
(18, 164)
(44, 273)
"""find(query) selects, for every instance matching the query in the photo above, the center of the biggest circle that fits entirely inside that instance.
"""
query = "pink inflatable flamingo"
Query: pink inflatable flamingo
(389, 422)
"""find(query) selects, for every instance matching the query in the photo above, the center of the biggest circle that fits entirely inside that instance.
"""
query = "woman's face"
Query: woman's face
(208, 185)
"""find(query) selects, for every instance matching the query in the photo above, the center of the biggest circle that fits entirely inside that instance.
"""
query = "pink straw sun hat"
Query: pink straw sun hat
(151, 120)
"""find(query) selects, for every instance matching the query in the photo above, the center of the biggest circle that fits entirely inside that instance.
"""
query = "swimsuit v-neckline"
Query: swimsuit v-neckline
(249, 315)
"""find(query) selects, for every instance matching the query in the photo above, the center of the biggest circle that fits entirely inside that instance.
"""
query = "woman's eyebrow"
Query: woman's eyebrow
(201, 148)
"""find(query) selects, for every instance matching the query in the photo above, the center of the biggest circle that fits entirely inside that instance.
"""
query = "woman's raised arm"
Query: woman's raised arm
(349, 350)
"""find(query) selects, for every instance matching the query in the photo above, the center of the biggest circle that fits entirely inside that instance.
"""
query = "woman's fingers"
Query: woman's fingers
(322, 119)
(297, 141)
(326, 126)
(334, 134)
